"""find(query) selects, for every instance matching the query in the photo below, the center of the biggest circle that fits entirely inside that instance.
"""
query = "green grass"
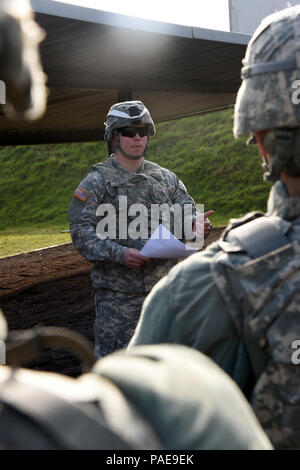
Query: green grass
(21, 240)
(37, 182)
(222, 173)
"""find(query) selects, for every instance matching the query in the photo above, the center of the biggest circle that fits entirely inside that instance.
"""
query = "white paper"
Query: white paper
(163, 244)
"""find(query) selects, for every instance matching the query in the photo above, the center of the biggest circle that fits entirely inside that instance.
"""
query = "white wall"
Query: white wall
(245, 15)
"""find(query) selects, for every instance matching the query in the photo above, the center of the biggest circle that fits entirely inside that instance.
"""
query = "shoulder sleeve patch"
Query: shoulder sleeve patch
(81, 194)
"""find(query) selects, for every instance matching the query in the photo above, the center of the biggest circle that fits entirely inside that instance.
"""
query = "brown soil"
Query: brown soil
(52, 287)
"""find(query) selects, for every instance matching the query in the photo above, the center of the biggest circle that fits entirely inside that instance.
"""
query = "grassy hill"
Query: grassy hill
(37, 182)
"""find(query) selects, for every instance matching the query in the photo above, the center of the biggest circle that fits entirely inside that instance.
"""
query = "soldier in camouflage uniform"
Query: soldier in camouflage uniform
(121, 276)
(238, 301)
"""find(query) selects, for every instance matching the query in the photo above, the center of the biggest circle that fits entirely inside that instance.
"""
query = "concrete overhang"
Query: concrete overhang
(94, 58)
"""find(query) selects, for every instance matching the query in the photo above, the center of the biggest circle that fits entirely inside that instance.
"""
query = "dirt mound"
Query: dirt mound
(52, 287)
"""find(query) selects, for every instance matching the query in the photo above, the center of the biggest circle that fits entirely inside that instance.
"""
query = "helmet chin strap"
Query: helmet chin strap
(127, 155)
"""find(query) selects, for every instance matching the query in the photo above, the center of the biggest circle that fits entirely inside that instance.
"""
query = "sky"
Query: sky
(212, 14)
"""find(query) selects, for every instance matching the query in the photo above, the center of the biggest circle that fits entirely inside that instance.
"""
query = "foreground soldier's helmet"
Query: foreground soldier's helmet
(268, 98)
(127, 113)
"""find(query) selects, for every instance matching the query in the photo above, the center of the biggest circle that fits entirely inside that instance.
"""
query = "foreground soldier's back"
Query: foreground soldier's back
(156, 397)
(239, 301)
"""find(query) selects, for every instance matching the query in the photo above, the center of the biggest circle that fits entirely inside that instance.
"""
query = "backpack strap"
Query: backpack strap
(260, 236)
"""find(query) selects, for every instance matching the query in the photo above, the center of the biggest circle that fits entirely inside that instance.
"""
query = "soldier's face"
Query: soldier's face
(135, 145)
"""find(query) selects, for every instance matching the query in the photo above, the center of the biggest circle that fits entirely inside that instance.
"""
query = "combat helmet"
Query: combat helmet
(127, 113)
(267, 98)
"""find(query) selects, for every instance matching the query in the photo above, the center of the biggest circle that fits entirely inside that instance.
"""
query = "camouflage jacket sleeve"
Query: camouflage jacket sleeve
(83, 222)
(180, 196)
(179, 192)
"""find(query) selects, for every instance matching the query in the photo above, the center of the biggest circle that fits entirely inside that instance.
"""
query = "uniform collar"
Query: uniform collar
(147, 169)
(281, 204)
(121, 168)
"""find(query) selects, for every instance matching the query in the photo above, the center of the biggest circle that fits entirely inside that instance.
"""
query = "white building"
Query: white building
(245, 15)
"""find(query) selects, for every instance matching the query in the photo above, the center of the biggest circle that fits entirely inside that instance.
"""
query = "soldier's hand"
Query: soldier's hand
(133, 258)
(202, 225)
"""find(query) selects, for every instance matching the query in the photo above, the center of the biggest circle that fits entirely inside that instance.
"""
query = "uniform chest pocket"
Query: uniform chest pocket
(161, 195)
(114, 190)
(111, 190)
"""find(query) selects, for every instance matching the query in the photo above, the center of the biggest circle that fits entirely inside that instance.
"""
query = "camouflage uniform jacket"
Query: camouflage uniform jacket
(249, 322)
(108, 181)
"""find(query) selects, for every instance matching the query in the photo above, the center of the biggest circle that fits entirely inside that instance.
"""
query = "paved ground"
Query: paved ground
(51, 287)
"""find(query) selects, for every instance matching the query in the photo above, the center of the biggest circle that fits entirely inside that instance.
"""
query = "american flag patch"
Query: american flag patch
(81, 194)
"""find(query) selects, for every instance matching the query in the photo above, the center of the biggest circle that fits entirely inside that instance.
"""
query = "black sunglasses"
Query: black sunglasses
(132, 131)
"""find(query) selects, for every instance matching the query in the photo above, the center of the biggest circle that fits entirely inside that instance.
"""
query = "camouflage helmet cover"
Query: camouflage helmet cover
(127, 113)
(271, 65)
